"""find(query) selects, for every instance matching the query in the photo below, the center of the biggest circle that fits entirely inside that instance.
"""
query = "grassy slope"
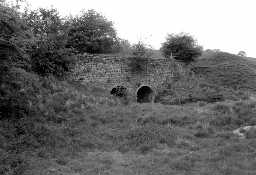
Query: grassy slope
(75, 130)
(158, 139)
(218, 76)
(227, 70)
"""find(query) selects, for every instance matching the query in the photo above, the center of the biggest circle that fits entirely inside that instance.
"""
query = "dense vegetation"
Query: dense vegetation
(228, 70)
(214, 76)
(52, 125)
(92, 33)
(181, 47)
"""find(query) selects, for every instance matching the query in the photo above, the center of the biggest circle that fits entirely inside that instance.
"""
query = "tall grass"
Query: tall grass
(189, 88)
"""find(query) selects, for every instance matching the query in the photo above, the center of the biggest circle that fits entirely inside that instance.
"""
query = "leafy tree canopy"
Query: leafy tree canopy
(141, 50)
(242, 53)
(91, 32)
(183, 47)
(45, 24)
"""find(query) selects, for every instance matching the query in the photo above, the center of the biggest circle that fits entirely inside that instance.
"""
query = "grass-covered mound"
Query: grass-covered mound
(54, 127)
(39, 115)
(190, 88)
(63, 127)
(215, 76)
(72, 132)
(227, 70)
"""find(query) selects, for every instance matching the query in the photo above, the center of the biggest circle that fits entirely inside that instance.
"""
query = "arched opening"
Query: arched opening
(145, 94)
(119, 91)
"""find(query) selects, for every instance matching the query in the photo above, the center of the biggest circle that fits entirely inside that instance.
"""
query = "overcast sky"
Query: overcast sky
(228, 25)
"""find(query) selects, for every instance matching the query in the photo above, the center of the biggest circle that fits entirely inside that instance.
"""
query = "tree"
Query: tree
(140, 57)
(49, 54)
(46, 24)
(124, 47)
(141, 50)
(242, 54)
(182, 47)
(14, 37)
(47, 58)
(91, 32)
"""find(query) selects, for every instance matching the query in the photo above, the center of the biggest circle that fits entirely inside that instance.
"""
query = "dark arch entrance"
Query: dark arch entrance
(119, 91)
(145, 94)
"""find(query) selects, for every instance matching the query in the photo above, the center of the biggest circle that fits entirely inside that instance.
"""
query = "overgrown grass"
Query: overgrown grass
(104, 136)
(189, 88)
(227, 70)
(215, 76)
(152, 139)
(66, 127)
(40, 115)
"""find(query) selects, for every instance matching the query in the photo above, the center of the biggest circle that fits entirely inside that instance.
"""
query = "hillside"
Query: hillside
(53, 126)
(227, 70)
(215, 76)
(201, 123)
(62, 127)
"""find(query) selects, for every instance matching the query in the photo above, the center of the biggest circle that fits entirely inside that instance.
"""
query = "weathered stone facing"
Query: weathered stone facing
(111, 71)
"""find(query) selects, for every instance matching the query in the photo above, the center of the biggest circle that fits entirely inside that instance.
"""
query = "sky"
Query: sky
(228, 25)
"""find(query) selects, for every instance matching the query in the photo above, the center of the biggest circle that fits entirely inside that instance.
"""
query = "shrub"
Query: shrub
(48, 52)
(124, 47)
(11, 25)
(14, 106)
(182, 47)
(45, 23)
(17, 93)
(141, 50)
(91, 32)
(242, 53)
(48, 59)
(14, 37)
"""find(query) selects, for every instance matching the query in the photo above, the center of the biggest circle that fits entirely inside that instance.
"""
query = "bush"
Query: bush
(17, 93)
(14, 37)
(182, 47)
(11, 24)
(48, 59)
(124, 47)
(141, 50)
(91, 32)
(45, 23)
(48, 52)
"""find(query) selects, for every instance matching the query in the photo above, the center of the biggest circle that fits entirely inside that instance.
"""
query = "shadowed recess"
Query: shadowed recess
(145, 94)
(119, 91)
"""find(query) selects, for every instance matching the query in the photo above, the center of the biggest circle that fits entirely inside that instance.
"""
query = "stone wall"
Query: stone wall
(112, 71)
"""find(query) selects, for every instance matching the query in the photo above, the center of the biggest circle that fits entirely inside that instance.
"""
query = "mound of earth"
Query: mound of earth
(227, 70)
